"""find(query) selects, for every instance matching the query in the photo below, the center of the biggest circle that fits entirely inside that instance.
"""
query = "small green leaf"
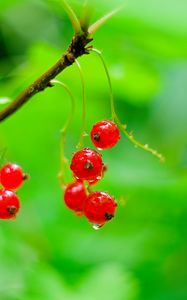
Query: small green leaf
(85, 17)
(92, 29)
(74, 20)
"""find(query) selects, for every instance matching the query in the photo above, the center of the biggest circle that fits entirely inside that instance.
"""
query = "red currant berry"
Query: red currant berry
(9, 204)
(87, 164)
(105, 134)
(75, 196)
(99, 207)
(11, 176)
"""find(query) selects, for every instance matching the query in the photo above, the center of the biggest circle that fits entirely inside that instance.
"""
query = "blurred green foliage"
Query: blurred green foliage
(48, 253)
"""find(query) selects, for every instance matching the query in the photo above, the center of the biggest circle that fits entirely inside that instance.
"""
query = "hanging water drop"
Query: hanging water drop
(96, 226)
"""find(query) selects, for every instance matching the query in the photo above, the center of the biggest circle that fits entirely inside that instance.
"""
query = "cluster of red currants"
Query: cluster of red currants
(88, 168)
(11, 178)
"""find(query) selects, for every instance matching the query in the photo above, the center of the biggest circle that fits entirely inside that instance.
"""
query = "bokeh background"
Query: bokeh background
(47, 252)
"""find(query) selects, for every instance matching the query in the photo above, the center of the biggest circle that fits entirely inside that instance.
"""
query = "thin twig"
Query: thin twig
(76, 49)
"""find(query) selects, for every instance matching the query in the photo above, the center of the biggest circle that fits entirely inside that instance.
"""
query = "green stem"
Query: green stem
(63, 131)
(81, 143)
(136, 143)
(2, 155)
(123, 127)
(109, 82)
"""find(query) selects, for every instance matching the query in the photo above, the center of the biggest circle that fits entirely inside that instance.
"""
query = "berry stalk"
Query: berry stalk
(115, 117)
(64, 130)
(109, 82)
(81, 142)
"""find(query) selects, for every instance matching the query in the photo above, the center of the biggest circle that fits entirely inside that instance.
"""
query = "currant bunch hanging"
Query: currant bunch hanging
(11, 178)
(87, 164)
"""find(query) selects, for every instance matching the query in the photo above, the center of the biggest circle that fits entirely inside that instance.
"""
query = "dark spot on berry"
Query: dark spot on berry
(108, 216)
(96, 137)
(88, 165)
(12, 209)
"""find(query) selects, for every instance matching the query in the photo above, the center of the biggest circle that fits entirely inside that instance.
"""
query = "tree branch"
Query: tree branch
(76, 49)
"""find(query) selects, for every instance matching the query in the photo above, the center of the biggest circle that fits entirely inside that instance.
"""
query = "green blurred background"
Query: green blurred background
(47, 252)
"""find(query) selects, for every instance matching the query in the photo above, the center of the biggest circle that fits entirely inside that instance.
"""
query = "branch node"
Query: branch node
(49, 84)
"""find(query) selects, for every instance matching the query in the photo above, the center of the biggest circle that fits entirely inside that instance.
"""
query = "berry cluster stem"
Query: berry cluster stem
(69, 119)
(109, 82)
(123, 127)
(81, 143)
(2, 155)
(63, 131)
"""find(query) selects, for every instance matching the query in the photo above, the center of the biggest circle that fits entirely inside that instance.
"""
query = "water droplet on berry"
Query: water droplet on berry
(96, 226)
(98, 177)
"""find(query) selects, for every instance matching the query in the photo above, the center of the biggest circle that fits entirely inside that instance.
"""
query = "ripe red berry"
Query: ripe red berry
(87, 164)
(105, 134)
(11, 176)
(75, 196)
(99, 207)
(9, 204)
